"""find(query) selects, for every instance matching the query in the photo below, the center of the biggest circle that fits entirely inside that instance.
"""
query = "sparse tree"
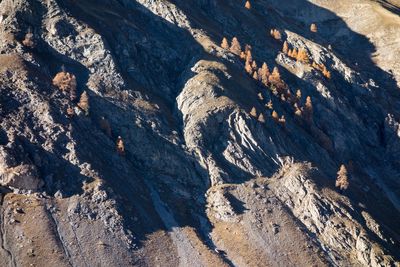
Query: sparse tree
(314, 27)
(247, 5)
(84, 103)
(285, 48)
(260, 96)
(235, 46)
(120, 146)
(342, 180)
(224, 44)
(105, 126)
(253, 112)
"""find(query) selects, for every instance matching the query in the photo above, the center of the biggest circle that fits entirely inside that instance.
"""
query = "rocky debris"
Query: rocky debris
(21, 177)
(337, 229)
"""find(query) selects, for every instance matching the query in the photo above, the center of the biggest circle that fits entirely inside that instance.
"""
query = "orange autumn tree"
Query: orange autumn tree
(224, 43)
(120, 146)
(342, 180)
(285, 48)
(247, 5)
(313, 27)
(302, 56)
(235, 46)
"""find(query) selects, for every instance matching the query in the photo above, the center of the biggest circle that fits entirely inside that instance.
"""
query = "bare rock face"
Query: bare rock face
(22, 177)
(168, 153)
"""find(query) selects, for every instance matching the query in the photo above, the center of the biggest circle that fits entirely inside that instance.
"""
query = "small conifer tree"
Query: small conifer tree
(235, 46)
(224, 44)
(70, 112)
(84, 103)
(248, 67)
(275, 115)
(270, 104)
(294, 53)
(285, 48)
(120, 146)
(313, 27)
(298, 94)
(261, 118)
(253, 112)
(342, 180)
(302, 56)
(254, 65)
(255, 76)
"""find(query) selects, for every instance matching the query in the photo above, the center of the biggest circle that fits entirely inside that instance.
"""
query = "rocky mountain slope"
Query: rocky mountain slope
(177, 156)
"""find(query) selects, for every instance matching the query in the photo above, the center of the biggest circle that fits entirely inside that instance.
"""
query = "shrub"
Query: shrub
(235, 46)
(342, 180)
